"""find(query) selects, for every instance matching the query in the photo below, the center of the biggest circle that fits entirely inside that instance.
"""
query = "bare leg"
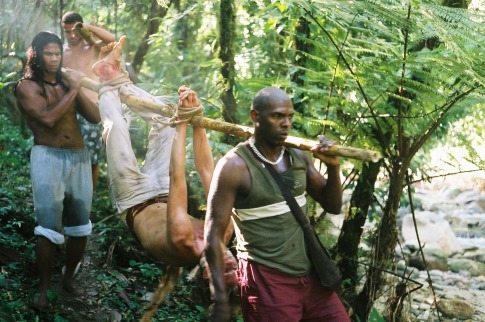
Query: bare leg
(45, 251)
(95, 174)
(129, 184)
(74, 252)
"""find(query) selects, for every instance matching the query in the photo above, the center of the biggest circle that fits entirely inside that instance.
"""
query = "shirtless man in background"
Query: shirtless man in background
(59, 162)
(80, 54)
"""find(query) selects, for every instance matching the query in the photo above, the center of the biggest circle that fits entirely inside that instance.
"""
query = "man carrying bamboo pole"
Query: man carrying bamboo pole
(275, 275)
(153, 199)
(60, 169)
(84, 43)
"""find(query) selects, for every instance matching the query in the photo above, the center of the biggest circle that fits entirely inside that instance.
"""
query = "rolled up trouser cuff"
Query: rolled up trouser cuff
(79, 231)
(50, 234)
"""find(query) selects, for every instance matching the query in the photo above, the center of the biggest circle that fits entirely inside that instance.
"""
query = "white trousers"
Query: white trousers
(130, 184)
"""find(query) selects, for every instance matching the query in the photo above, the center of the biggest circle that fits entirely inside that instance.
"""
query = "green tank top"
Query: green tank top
(266, 230)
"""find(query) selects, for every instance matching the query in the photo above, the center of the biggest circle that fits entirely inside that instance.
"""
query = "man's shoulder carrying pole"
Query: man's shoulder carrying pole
(239, 130)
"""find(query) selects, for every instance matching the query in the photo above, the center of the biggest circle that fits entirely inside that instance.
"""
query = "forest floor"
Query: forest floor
(117, 277)
(114, 292)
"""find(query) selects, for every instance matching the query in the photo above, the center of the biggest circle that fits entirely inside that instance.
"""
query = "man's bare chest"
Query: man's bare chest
(80, 61)
(54, 92)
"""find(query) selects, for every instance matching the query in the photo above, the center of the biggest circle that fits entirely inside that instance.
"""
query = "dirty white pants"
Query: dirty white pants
(129, 184)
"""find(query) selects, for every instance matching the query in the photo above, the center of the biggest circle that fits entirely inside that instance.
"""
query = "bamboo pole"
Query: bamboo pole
(239, 130)
(85, 33)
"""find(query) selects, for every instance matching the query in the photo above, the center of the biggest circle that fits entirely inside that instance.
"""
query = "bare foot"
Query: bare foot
(73, 290)
(109, 67)
(41, 303)
(105, 50)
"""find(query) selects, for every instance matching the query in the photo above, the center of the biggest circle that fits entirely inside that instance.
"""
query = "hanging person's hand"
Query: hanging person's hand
(187, 97)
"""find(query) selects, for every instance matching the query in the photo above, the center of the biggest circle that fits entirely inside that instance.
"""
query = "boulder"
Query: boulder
(434, 232)
(476, 254)
(461, 264)
(436, 259)
(455, 309)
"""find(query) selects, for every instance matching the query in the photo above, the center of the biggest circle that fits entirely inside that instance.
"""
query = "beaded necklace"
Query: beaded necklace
(256, 151)
(50, 83)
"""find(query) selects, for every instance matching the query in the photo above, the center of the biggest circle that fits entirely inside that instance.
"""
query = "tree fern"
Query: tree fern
(413, 69)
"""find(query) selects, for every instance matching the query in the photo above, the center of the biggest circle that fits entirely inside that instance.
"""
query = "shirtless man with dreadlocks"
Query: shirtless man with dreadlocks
(60, 167)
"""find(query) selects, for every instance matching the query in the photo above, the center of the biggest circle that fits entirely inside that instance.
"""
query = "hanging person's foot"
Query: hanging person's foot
(110, 67)
(105, 50)
(41, 304)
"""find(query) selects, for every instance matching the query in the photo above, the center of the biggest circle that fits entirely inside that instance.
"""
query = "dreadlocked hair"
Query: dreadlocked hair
(34, 69)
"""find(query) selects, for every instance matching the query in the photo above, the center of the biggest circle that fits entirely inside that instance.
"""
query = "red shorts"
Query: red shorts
(267, 295)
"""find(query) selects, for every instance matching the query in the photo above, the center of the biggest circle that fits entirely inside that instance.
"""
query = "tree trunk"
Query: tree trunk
(387, 235)
(384, 245)
(463, 4)
(348, 242)
(302, 47)
(227, 41)
(156, 11)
